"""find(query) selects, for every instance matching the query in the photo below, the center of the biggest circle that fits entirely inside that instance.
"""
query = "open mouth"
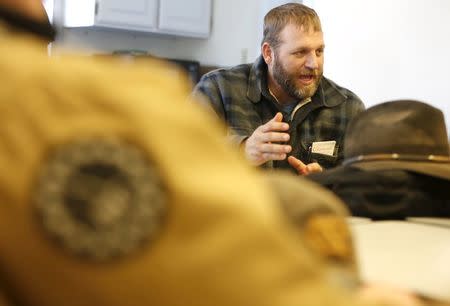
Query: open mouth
(307, 78)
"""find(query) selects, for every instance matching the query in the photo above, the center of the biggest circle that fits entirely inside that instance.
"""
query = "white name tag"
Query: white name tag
(324, 147)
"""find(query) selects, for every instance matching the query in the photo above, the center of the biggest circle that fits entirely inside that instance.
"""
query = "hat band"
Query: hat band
(395, 156)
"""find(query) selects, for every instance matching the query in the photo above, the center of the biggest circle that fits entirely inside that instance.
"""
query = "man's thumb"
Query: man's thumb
(278, 117)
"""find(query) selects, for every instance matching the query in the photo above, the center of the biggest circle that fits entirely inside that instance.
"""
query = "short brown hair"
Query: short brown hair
(277, 18)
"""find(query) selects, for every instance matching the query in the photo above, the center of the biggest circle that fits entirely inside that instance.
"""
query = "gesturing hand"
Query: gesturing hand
(302, 168)
(262, 145)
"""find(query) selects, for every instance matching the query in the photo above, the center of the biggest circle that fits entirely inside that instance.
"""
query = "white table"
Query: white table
(409, 255)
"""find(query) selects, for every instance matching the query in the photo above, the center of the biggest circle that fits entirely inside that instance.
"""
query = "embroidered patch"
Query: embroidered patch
(100, 198)
(329, 236)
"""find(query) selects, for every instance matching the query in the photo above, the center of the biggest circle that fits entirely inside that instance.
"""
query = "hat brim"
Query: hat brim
(436, 169)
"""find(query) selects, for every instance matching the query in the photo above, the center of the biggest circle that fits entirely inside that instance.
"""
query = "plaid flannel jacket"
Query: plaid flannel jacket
(239, 96)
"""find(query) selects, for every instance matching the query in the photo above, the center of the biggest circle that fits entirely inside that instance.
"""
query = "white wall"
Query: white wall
(382, 50)
(386, 49)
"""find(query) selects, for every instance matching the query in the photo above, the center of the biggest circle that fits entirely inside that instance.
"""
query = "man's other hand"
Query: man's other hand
(302, 168)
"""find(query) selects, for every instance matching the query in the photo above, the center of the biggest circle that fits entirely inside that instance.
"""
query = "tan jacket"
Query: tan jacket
(214, 231)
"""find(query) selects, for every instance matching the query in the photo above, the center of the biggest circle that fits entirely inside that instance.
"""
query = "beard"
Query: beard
(287, 81)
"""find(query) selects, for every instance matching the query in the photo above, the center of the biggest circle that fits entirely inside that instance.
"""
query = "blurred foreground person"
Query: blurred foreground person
(397, 163)
(99, 208)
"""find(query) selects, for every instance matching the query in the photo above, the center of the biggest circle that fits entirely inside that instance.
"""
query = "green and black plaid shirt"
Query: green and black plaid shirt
(240, 97)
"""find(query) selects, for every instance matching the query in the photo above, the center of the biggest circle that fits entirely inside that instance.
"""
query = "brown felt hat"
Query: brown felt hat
(403, 134)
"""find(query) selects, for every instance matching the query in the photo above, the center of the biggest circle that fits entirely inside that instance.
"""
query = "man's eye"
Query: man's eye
(300, 53)
(319, 52)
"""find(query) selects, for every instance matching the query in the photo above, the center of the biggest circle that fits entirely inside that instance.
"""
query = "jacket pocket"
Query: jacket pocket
(326, 161)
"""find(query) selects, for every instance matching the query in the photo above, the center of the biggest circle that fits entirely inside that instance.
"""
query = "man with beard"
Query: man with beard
(280, 110)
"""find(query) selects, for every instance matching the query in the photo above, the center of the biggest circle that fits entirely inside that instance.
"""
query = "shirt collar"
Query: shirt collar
(258, 74)
(258, 79)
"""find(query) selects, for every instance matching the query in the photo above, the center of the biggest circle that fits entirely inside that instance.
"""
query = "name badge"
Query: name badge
(324, 147)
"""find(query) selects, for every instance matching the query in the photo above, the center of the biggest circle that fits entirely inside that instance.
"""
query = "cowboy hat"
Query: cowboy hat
(402, 134)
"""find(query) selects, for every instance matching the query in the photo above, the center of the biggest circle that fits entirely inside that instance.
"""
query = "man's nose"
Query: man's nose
(312, 62)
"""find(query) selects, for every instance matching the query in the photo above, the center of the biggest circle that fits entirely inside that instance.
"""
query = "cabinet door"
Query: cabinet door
(188, 17)
(127, 14)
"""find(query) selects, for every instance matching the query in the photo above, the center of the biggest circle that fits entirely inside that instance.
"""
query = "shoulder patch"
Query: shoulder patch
(100, 198)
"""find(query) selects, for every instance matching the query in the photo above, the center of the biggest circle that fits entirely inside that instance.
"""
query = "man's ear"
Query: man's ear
(267, 53)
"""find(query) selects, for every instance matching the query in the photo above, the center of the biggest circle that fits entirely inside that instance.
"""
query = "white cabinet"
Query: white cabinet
(176, 17)
(190, 17)
(129, 14)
